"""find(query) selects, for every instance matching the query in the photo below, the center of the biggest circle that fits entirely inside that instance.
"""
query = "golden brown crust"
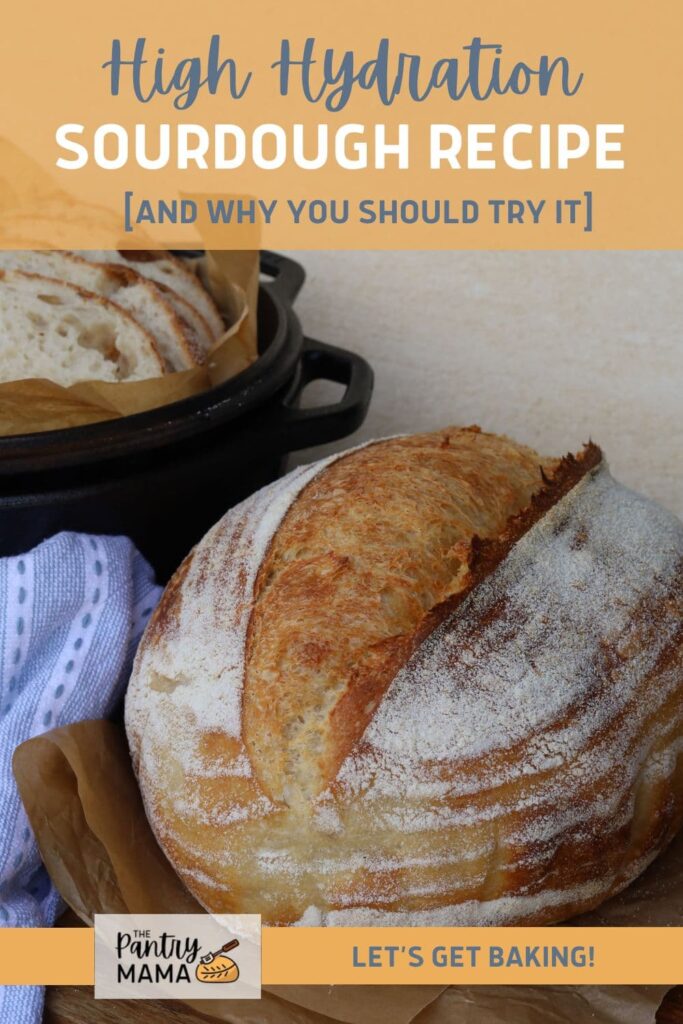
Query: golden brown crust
(359, 572)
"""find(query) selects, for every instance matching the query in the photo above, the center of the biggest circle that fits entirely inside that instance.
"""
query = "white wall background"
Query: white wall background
(550, 348)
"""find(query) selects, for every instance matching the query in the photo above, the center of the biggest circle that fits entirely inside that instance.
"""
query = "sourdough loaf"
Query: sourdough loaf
(55, 330)
(435, 680)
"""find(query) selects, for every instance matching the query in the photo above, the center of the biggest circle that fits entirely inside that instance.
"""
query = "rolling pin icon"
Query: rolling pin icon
(218, 968)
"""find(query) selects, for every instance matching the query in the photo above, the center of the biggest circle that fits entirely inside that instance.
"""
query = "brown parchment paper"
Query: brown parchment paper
(85, 807)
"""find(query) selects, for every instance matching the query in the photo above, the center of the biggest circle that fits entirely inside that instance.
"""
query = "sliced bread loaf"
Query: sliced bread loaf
(165, 269)
(139, 296)
(66, 334)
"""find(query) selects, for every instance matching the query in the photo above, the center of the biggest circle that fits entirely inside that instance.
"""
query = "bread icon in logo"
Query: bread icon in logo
(218, 968)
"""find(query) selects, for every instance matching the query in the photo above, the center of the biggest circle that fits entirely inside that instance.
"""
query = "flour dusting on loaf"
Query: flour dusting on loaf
(197, 665)
(511, 752)
(566, 593)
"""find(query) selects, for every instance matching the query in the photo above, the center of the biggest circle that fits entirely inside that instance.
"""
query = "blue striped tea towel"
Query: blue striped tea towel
(71, 614)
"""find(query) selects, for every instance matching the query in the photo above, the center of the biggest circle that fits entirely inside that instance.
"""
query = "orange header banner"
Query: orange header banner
(462, 125)
(394, 956)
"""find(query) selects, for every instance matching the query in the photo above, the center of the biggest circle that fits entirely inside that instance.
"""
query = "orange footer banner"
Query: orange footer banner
(372, 956)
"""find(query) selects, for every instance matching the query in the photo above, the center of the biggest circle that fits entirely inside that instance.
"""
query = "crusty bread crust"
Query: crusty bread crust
(361, 569)
(195, 327)
(435, 681)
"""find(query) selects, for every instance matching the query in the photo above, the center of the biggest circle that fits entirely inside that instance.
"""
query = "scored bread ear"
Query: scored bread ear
(480, 556)
(369, 559)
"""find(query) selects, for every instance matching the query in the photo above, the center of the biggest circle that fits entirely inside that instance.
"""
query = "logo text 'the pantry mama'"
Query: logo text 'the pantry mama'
(176, 956)
(166, 958)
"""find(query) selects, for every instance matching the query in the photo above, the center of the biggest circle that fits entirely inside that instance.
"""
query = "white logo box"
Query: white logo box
(177, 956)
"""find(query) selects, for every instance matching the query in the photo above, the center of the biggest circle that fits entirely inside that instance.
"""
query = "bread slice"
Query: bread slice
(197, 330)
(63, 333)
(164, 269)
(144, 300)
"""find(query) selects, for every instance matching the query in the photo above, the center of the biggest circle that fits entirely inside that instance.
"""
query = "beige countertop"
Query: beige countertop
(550, 348)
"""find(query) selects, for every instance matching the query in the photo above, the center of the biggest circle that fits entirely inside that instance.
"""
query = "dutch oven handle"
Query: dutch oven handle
(288, 275)
(304, 428)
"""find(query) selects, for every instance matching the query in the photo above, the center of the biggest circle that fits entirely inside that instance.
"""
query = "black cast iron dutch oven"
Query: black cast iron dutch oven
(163, 477)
